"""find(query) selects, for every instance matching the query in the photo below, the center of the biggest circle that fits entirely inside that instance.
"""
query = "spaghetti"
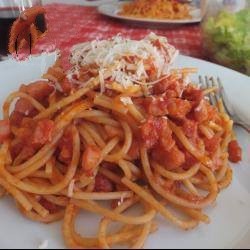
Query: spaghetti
(119, 126)
(157, 9)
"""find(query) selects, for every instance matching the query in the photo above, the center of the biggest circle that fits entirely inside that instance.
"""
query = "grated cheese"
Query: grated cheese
(126, 100)
(123, 60)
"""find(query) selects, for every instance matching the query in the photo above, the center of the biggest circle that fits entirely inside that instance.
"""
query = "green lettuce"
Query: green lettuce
(227, 39)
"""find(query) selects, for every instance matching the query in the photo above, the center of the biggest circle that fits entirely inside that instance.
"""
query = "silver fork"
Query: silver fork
(220, 94)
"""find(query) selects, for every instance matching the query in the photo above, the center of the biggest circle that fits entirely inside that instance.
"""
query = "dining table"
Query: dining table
(70, 24)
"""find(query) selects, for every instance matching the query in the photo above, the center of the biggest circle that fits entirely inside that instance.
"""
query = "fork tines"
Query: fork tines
(210, 84)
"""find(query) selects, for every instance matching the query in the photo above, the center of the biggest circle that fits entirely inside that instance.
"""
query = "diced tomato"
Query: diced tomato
(23, 134)
(103, 184)
(160, 106)
(90, 159)
(58, 74)
(201, 112)
(212, 144)
(38, 90)
(178, 108)
(169, 159)
(235, 151)
(26, 153)
(43, 132)
(190, 128)
(193, 94)
(166, 139)
(66, 154)
(177, 86)
(168, 84)
(15, 148)
(170, 94)
(66, 86)
(190, 160)
(16, 118)
(29, 123)
(66, 148)
(162, 86)
(134, 151)
(156, 131)
(23, 106)
(4, 130)
(26, 130)
(156, 106)
(150, 132)
(53, 208)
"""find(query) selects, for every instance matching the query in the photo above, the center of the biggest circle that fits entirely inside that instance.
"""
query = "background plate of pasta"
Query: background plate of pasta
(122, 149)
(157, 11)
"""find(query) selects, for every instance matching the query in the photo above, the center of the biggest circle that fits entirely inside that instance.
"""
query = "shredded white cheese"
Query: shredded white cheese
(71, 188)
(126, 100)
(58, 86)
(123, 60)
(44, 245)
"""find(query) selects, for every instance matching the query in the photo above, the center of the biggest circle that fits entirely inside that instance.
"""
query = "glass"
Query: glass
(226, 34)
(9, 11)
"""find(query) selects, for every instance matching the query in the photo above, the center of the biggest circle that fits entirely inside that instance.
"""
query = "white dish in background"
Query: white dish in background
(230, 218)
(112, 10)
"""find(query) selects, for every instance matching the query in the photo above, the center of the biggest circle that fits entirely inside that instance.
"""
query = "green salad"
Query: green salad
(227, 39)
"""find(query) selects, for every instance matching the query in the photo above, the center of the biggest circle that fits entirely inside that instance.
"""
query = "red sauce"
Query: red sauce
(134, 151)
(193, 94)
(212, 144)
(51, 207)
(65, 147)
(43, 132)
(235, 151)
(169, 159)
(4, 130)
(103, 184)
(150, 132)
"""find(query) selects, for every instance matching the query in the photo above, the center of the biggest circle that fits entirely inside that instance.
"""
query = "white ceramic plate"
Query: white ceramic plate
(112, 10)
(230, 218)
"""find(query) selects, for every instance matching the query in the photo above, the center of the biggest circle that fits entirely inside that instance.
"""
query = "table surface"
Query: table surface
(72, 24)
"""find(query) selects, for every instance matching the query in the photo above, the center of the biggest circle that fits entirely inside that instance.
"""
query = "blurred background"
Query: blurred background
(221, 35)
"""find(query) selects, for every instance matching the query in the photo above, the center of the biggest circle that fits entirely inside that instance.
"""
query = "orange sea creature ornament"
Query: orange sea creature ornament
(27, 29)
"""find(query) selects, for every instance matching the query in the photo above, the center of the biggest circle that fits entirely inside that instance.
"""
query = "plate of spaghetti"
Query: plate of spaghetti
(123, 148)
(157, 11)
